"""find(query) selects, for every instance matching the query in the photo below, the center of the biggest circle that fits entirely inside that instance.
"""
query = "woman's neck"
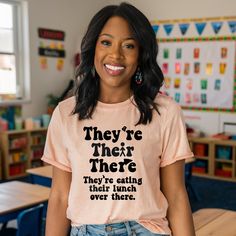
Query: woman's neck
(114, 96)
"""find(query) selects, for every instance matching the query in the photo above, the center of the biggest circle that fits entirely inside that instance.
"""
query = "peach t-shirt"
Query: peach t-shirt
(115, 165)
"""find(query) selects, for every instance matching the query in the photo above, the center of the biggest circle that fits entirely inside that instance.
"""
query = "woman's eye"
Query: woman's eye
(129, 46)
(105, 42)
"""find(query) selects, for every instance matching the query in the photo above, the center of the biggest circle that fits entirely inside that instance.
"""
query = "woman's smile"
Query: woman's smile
(114, 70)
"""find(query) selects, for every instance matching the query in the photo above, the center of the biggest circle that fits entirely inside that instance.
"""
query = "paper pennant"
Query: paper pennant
(232, 26)
(200, 27)
(183, 28)
(216, 26)
(155, 28)
(168, 28)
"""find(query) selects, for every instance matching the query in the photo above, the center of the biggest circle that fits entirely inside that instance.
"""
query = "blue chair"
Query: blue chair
(188, 177)
(29, 223)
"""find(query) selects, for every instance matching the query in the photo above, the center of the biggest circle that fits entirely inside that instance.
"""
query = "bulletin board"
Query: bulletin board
(199, 68)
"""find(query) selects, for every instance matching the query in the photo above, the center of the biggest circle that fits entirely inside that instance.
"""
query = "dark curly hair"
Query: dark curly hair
(87, 88)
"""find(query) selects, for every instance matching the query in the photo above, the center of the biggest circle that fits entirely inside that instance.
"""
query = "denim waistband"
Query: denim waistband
(122, 228)
(114, 227)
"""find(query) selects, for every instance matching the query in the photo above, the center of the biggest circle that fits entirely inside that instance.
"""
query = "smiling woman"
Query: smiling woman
(116, 131)
(124, 42)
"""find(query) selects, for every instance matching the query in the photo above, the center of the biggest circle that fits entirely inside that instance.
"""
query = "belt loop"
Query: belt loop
(128, 228)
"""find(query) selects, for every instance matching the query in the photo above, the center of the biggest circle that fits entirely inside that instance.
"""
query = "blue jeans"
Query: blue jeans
(130, 228)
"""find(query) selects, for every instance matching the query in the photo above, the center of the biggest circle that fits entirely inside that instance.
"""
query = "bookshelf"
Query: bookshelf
(214, 158)
(21, 150)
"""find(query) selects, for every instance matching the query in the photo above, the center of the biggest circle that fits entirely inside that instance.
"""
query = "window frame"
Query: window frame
(21, 51)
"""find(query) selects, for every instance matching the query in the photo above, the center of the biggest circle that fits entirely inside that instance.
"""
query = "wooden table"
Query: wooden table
(41, 175)
(16, 196)
(215, 222)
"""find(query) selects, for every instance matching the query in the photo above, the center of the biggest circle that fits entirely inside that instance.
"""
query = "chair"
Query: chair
(29, 223)
(188, 176)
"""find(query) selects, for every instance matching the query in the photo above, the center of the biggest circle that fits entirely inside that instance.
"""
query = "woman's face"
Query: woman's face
(116, 54)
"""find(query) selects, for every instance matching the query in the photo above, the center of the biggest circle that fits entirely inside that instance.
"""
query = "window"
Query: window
(14, 51)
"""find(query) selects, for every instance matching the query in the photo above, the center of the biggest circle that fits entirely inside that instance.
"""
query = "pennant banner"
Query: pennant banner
(216, 26)
(232, 26)
(155, 28)
(200, 27)
(168, 28)
(183, 28)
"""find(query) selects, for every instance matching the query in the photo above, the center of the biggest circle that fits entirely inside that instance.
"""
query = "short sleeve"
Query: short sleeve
(55, 151)
(175, 145)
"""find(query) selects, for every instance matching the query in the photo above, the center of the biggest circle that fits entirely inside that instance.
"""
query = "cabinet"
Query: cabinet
(21, 150)
(214, 158)
(225, 159)
(37, 140)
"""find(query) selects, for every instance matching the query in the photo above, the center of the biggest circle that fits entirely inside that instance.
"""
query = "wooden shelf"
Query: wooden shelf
(200, 174)
(224, 161)
(37, 145)
(202, 158)
(28, 150)
(219, 153)
(23, 131)
(17, 149)
(16, 176)
(17, 162)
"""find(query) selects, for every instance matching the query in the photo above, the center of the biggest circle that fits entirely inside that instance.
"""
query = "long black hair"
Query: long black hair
(87, 86)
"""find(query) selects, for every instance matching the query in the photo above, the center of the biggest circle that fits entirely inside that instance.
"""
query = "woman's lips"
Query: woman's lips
(114, 70)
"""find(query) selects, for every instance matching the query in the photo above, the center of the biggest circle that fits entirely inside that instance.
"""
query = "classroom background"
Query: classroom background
(41, 70)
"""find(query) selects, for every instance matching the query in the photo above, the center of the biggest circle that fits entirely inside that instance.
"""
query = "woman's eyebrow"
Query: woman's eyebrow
(111, 36)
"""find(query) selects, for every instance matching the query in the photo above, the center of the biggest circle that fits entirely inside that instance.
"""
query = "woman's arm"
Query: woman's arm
(56, 222)
(179, 212)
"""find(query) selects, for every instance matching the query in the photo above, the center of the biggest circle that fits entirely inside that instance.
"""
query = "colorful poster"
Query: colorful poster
(51, 46)
(202, 71)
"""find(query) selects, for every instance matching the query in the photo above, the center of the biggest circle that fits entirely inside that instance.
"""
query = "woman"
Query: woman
(118, 158)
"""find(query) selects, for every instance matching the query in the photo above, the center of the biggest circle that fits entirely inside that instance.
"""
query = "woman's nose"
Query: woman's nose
(116, 52)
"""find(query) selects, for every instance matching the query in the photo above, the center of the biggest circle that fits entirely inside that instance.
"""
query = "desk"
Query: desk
(16, 196)
(215, 222)
(41, 175)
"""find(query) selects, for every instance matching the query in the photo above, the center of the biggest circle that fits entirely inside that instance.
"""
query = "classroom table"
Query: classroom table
(41, 175)
(16, 196)
(215, 222)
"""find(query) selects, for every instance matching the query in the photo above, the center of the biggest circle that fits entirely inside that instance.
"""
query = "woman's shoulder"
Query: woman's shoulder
(166, 103)
(67, 106)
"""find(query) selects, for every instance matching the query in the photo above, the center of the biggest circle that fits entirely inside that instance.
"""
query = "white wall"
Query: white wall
(208, 122)
(181, 9)
(71, 16)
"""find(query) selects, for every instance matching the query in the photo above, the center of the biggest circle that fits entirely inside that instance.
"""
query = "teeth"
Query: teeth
(114, 67)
